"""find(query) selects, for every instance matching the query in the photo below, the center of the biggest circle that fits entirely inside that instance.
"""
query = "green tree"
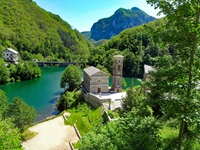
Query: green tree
(3, 103)
(72, 77)
(178, 92)
(4, 72)
(10, 137)
(131, 132)
(25, 71)
(66, 101)
(136, 101)
(133, 98)
(22, 114)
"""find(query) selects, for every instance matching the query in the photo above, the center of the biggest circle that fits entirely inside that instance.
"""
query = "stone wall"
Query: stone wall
(93, 100)
(98, 83)
(86, 82)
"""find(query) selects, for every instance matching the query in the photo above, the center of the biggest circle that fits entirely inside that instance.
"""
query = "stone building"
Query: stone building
(95, 87)
(147, 70)
(117, 73)
(95, 80)
(11, 55)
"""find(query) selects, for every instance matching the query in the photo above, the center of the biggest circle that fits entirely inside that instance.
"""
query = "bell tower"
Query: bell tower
(117, 73)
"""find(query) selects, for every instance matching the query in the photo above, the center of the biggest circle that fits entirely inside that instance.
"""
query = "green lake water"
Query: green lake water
(42, 93)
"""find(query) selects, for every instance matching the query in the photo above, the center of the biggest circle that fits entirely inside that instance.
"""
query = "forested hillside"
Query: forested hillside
(122, 19)
(137, 47)
(26, 27)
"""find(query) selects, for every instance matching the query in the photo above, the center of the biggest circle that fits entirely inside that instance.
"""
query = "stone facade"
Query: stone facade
(117, 73)
(95, 80)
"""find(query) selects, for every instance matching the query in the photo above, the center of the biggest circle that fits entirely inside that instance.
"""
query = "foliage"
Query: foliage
(4, 72)
(114, 114)
(17, 72)
(124, 84)
(14, 118)
(3, 103)
(22, 114)
(136, 101)
(177, 94)
(31, 30)
(136, 45)
(25, 71)
(72, 77)
(68, 99)
(9, 136)
(125, 133)
(85, 117)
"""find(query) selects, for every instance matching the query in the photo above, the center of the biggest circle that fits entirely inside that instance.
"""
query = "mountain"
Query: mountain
(86, 34)
(119, 21)
(31, 30)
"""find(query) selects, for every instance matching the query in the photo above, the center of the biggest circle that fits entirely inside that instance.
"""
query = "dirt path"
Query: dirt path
(52, 135)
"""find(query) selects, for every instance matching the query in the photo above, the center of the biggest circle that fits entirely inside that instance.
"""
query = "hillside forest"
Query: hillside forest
(36, 33)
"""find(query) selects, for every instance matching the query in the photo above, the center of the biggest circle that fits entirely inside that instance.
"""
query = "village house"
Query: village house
(147, 70)
(11, 55)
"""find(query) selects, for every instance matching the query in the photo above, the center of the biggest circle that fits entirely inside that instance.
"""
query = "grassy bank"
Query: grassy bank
(85, 117)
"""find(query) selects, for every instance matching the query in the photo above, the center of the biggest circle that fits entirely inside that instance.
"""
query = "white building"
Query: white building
(11, 55)
(147, 70)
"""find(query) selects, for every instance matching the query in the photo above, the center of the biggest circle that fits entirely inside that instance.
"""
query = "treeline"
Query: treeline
(34, 32)
(15, 118)
(137, 47)
(21, 71)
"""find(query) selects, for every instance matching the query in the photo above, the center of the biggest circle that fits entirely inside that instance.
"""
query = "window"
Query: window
(119, 67)
(99, 90)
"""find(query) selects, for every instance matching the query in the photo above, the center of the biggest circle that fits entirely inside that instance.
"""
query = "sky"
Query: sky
(82, 14)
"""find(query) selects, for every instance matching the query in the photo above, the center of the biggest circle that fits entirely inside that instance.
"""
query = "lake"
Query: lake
(42, 93)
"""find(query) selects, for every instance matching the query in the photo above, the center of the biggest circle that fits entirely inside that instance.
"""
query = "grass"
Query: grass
(27, 135)
(76, 145)
(114, 114)
(85, 117)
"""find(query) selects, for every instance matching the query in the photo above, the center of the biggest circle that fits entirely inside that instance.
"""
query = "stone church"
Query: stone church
(96, 81)
(95, 87)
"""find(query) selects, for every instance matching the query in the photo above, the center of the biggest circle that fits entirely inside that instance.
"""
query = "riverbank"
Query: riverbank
(52, 135)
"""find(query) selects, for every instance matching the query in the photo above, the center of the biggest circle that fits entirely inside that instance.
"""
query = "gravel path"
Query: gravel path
(52, 135)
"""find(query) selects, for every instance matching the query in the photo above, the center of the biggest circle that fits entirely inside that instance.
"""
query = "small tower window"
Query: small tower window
(118, 67)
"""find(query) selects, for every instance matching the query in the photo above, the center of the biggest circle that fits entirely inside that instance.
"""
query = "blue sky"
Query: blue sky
(82, 14)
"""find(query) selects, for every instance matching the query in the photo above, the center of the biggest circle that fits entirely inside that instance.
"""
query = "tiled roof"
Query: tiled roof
(148, 69)
(91, 70)
(12, 50)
